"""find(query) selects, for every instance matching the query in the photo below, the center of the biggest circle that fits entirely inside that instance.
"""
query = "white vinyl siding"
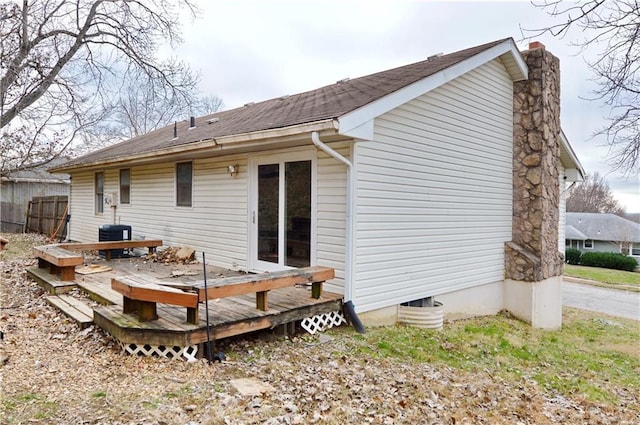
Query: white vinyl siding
(332, 193)
(84, 222)
(216, 223)
(434, 192)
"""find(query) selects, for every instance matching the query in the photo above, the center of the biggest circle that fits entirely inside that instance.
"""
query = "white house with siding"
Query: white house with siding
(401, 180)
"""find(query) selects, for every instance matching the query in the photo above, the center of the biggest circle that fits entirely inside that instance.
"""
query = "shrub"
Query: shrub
(609, 260)
(572, 256)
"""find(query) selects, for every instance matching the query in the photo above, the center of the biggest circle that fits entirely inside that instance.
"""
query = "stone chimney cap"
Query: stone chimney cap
(536, 45)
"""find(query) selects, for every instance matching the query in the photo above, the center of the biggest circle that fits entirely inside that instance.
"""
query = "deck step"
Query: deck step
(51, 283)
(73, 308)
(102, 294)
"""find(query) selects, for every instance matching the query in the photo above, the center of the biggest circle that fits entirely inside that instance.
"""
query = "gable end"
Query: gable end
(357, 122)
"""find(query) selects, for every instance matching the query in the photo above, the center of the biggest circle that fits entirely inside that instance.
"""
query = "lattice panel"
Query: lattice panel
(322, 322)
(189, 352)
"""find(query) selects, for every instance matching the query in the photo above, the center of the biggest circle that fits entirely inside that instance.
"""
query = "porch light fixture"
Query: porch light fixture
(232, 170)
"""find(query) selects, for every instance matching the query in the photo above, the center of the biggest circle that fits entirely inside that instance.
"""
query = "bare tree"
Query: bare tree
(143, 107)
(612, 30)
(139, 110)
(60, 61)
(208, 105)
(593, 195)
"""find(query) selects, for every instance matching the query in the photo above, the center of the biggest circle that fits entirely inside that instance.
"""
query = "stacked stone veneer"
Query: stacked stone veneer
(533, 255)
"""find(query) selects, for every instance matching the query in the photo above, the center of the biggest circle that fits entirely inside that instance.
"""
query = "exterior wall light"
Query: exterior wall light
(232, 169)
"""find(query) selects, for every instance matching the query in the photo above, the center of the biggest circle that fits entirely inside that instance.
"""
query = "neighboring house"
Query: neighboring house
(19, 187)
(437, 178)
(594, 232)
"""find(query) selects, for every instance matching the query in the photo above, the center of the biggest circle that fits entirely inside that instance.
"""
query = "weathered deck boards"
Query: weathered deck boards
(58, 260)
(142, 294)
(228, 316)
(51, 283)
(73, 308)
(107, 246)
(97, 290)
(239, 285)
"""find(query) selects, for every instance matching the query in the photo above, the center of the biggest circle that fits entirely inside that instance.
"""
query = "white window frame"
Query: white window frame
(584, 244)
(289, 156)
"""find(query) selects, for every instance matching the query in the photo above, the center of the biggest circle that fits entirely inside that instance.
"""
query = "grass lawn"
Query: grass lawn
(592, 356)
(613, 277)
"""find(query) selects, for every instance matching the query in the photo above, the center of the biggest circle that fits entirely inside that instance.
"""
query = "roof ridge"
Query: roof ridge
(430, 59)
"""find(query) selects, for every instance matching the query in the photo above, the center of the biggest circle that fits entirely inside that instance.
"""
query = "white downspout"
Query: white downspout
(348, 263)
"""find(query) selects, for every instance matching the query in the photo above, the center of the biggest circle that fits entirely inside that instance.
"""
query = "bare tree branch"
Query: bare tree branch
(62, 63)
(593, 195)
(612, 30)
(148, 106)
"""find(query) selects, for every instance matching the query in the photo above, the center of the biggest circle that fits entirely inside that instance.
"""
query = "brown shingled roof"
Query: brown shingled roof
(327, 102)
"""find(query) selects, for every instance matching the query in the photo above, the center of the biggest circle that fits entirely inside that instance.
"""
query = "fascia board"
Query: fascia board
(568, 150)
(213, 144)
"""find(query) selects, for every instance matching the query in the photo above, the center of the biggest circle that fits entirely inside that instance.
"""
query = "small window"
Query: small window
(567, 242)
(125, 185)
(99, 192)
(588, 244)
(635, 249)
(184, 180)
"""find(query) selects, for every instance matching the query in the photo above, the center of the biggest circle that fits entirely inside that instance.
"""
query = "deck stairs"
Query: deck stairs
(76, 309)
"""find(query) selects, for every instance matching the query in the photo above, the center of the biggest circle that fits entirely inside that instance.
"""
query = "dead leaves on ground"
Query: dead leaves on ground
(57, 373)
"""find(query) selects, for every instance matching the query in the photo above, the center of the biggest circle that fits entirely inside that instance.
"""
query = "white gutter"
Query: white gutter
(217, 144)
(348, 263)
(35, 180)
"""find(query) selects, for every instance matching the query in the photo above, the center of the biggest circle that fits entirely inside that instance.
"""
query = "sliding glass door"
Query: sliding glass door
(282, 213)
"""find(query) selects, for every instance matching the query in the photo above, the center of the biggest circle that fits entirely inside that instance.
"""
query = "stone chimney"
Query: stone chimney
(533, 266)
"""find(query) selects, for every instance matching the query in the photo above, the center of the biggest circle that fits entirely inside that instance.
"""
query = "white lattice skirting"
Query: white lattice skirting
(322, 322)
(189, 352)
(313, 325)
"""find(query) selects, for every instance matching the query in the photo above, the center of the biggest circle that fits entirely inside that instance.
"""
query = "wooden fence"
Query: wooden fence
(48, 214)
(12, 217)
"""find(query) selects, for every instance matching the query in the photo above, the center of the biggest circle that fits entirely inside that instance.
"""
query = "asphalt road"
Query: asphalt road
(604, 300)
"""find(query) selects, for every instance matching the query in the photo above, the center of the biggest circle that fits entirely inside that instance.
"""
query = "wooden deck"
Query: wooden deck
(229, 316)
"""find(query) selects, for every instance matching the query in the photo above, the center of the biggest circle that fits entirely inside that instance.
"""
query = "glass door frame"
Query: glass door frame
(253, 262)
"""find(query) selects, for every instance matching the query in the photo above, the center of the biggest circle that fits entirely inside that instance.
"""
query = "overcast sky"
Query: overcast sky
(248, 51)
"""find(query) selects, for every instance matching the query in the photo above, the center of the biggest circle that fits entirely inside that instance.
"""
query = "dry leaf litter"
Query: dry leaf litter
(56, 373)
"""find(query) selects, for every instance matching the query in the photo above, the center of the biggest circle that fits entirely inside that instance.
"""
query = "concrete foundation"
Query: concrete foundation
(382, 317)
(477, 301)
(537, 303)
